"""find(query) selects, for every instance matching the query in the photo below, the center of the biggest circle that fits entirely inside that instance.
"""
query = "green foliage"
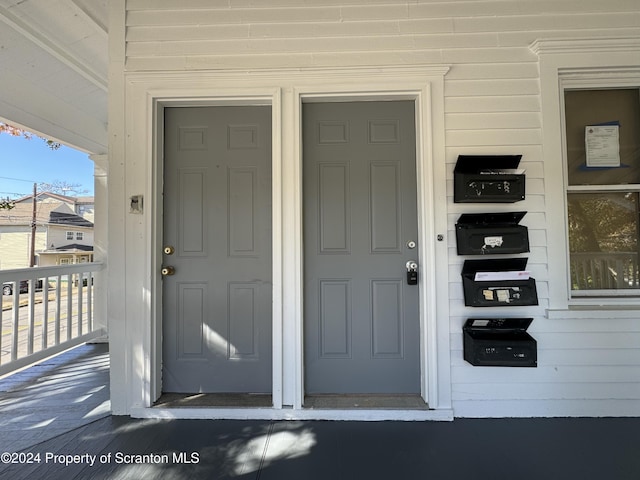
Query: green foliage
(603, 222)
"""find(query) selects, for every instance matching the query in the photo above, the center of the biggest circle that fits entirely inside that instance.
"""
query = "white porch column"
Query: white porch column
(100, 239)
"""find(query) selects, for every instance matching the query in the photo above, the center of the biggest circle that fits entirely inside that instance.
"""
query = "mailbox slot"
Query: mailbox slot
(488, 179)
(491, 233)
(499, 342)
(508, 284)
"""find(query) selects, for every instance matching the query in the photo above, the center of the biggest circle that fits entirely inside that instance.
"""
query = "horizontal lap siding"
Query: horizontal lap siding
(492, 106)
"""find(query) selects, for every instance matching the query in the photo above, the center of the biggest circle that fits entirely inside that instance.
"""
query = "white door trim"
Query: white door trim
(269, 97)
(136, 375)
(426, 226)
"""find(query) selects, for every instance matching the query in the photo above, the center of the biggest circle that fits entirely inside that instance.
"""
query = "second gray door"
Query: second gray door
(361, 320)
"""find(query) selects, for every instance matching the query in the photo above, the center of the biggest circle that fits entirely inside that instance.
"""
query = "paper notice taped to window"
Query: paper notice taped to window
(602, 144)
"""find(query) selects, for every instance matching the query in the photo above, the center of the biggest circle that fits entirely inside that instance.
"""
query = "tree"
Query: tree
(19, 132)
(6, 204)
(62, 187)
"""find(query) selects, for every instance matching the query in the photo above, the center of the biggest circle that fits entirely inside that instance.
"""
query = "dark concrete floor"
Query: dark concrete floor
(522, 449)
(107, 447)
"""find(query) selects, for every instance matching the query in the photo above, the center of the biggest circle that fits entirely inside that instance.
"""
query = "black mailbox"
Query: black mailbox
(498, 283)
(488, 179)
(499, 342)
(491, 233)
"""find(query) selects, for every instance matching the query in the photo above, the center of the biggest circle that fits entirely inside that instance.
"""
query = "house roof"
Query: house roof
(73, 247)
(51, 195)
(64, 218)
(46, 214)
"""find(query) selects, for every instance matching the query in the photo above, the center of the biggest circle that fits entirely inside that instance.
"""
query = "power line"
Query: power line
(19, 179)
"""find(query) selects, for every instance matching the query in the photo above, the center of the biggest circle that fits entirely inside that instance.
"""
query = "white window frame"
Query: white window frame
(583, 82)
(575, 64)
(80, 236)
(69, 235)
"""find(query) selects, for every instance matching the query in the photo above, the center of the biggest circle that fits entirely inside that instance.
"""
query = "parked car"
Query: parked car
(7, 288)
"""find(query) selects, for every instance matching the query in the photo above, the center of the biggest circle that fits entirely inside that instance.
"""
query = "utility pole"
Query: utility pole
(32, 255)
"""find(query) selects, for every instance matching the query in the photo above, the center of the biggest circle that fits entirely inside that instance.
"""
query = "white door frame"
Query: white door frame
(425, 211)
(269, 98)
(137, 379)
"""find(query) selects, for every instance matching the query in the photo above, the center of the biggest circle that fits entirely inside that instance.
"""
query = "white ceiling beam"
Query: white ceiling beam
(27, 105)
(53, 48)
(102, 27)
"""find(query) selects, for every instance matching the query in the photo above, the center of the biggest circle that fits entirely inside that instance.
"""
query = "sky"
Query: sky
(25, 162)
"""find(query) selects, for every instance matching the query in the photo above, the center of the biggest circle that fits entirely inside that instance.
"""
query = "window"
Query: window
(79, 235)
(69, 235)
(603, 196)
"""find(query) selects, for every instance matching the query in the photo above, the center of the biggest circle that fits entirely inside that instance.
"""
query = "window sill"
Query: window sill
(574, 312)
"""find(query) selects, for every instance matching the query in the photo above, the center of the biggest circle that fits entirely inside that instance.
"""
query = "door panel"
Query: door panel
(360, 317)
(217, 215)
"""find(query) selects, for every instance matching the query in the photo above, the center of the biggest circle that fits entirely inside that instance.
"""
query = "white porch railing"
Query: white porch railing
(54, 314)
(604, 271)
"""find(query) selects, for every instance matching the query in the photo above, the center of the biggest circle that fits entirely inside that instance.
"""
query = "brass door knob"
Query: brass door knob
(168, 271)
(169, 250)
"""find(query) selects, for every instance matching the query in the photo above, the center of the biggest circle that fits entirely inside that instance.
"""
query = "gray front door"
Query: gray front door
(361, 319)
(217, 219)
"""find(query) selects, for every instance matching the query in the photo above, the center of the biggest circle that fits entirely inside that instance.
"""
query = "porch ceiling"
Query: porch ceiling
(53, 65)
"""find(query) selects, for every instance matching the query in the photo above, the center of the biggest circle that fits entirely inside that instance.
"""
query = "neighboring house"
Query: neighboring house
(85, 207)
(82, 206)
(62, 237)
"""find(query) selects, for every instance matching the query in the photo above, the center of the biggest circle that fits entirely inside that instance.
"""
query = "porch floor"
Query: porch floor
(32, 405)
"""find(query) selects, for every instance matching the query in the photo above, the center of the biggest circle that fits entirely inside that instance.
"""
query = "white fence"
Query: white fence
(602, 271)
(49, 310)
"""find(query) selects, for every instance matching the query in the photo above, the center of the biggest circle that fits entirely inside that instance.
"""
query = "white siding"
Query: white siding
(15, 245)
(587, 366)
(57, 236)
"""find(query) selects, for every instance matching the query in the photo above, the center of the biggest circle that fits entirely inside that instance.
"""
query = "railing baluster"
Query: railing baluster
(80, 287)
(69, 305)
(90, 302)
(16, 320)
(31, 327)
(45, 313)
(58, 308)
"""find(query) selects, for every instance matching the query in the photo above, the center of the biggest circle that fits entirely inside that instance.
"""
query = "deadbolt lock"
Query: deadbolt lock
(169, 250)
(167, 271)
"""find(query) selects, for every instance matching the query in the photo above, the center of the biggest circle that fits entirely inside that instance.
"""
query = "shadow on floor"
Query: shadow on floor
(55, 425)
(523, 449)
(55, 396)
